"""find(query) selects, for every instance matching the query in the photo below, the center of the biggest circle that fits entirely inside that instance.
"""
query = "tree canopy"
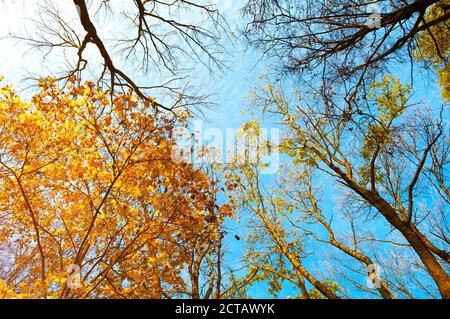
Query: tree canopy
(100, 197)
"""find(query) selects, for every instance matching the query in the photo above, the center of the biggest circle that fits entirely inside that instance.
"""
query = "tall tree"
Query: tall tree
(391, 172)
(88, 183)
(344, 44)
(434, 45)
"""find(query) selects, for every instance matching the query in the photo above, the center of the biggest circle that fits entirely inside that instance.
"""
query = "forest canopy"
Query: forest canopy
(101, 197)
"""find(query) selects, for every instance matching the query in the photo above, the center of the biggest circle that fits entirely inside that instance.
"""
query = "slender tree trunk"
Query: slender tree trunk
(439, 275)
(219, 270)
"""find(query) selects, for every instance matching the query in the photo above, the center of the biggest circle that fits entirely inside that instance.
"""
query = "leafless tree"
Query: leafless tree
(154, 46)
(339, 41)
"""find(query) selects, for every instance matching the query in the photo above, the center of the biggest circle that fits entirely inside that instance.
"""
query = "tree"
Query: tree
(433, 46)
(344, 44)
(151, 51)
(274, 253)
(390, 173)
(88, 183)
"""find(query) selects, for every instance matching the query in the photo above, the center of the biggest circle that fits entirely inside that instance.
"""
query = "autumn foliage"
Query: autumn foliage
(86, 178)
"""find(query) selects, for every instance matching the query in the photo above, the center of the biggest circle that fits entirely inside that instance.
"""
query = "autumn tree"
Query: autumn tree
(350, 125)
(88, 182)
(274, 253)
(433, 46)
(354, 194)
(343, 45)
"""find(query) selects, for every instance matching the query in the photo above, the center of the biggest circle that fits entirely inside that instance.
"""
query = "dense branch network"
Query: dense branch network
(158, 39)
(341, 42)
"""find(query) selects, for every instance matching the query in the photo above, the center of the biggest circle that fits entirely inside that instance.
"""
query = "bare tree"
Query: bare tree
(339, 41)
(155, 46)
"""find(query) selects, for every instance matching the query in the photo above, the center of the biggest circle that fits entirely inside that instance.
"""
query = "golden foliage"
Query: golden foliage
(86, 178)
(434, 46)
